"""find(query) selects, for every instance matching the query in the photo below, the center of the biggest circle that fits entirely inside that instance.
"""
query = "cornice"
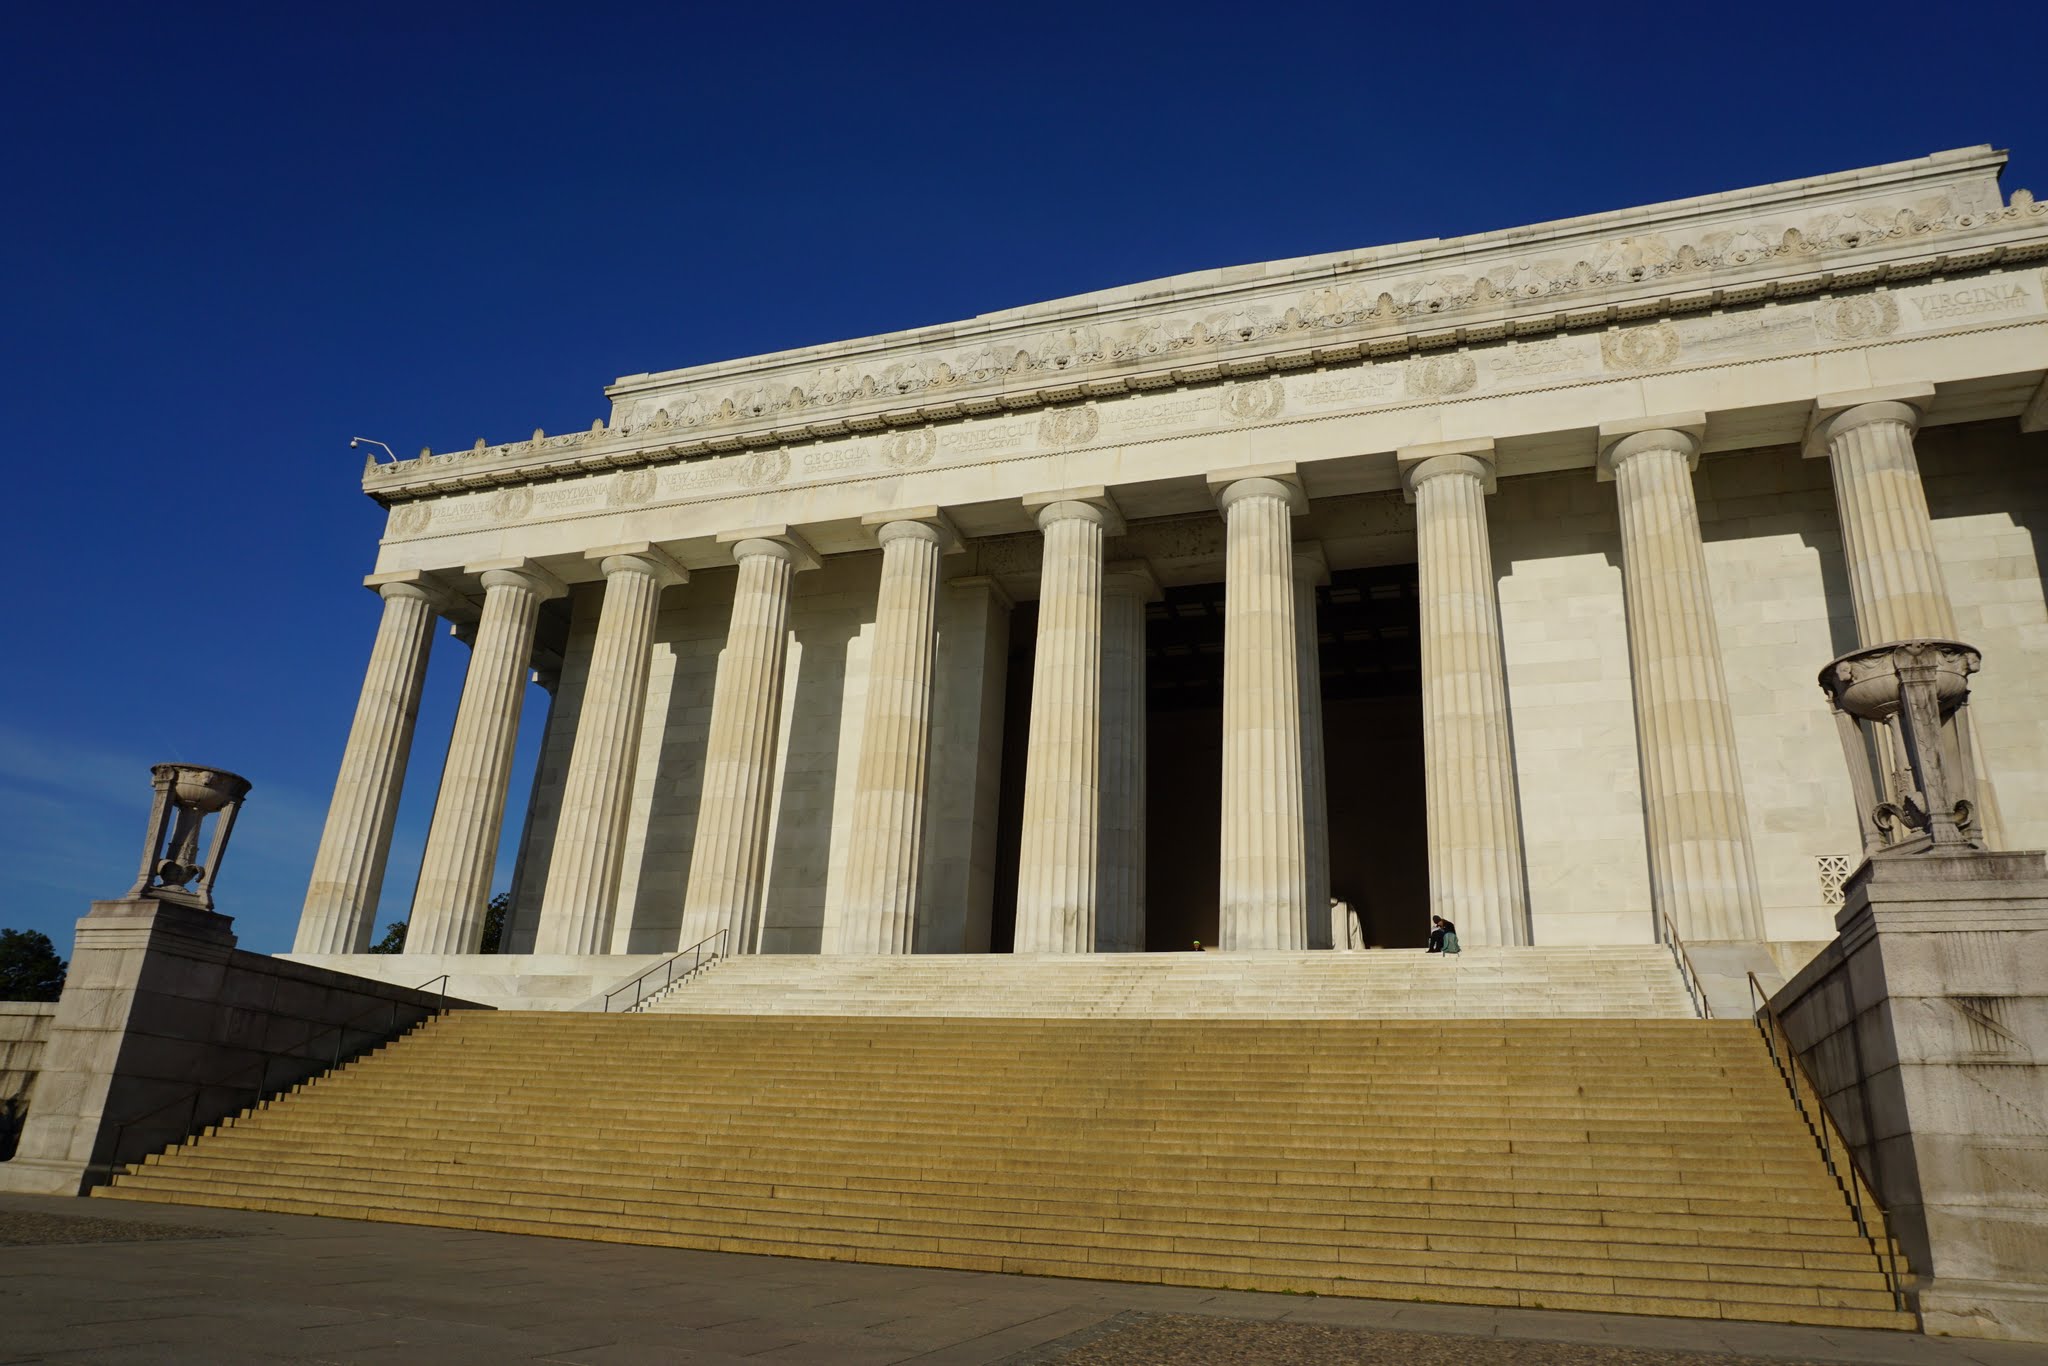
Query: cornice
(1827, 236)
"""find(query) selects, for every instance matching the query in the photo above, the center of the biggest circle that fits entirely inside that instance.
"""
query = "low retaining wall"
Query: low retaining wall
(506, 981)
(23, 1027)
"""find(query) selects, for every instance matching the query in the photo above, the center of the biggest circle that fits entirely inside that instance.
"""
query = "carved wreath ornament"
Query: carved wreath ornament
(1434, 376)
(764, 469)
(509, 505)
(631, 488)
(1858, 316)
(908, 450)
(1255, 402)
(1069, 426)
(1640, 348)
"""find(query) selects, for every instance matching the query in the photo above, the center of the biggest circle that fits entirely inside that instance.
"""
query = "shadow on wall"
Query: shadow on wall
(799, 873)
(657, 909)
(1972, 470)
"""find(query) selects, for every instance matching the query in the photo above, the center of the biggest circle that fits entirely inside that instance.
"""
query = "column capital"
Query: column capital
(1280, 479)
(1087, 502)
(429, 588)
(1310, 564)
(778, 540)
(927, 523)
(1680, 432)
(518, 572)
(1133, 578)
(1419, 464)
(1835, 414)
(639, 557)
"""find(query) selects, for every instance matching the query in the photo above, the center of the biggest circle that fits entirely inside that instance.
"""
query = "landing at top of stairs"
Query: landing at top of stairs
(1632, 982)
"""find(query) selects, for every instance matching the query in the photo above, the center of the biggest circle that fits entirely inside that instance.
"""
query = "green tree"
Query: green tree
(494, 921)
(30, 969)
(494, 928)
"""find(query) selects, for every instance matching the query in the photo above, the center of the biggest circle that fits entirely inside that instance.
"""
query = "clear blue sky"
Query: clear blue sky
(234, 236)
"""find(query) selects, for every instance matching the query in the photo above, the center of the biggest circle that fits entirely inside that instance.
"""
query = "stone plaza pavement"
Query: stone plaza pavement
(105, 1282)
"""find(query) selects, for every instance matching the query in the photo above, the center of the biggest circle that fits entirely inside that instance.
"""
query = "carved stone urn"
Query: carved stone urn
(1897, 711)
(186, 794)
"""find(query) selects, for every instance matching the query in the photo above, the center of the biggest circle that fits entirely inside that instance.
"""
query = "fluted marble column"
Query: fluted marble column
(1264, 889)
(1059, 865)
(1475, 840)
(1895, 575)
(1887, 535)
(1702, 866)
(348, 871)
(1127, 585)
(1311, 570)
(581, 895)
(462, 843)
(729, 859)
(891, 784)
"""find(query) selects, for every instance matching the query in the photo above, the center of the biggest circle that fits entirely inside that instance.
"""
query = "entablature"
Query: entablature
(1834, 237)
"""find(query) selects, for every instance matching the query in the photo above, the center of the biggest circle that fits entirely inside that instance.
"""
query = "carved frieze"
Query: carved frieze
(1544, 277)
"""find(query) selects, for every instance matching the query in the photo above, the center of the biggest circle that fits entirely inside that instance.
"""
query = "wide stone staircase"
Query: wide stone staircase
(1633, 982)
(1642, 1165)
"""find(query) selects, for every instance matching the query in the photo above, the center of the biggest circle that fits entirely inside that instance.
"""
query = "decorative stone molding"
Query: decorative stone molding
(1938, 215)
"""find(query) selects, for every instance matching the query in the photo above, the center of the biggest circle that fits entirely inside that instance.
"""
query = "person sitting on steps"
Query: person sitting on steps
(1443, 935)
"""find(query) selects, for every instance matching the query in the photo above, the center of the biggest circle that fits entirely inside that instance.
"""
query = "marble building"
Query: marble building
(1485, 576)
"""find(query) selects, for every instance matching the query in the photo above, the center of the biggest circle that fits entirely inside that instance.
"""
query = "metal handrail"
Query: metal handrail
(1687, 973)
(1856, 1188)
(261, 1091)
(695, 953)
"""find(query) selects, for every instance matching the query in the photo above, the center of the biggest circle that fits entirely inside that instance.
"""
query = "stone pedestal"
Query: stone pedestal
(1925, 1025)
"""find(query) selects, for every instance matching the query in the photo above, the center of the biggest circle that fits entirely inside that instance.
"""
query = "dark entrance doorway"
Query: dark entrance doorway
(1369, 637)
(1367, 627)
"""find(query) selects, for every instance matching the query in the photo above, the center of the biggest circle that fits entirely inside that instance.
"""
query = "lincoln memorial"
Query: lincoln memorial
(1484, 577)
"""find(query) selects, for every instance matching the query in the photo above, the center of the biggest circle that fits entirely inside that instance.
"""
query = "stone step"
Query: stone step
(1636, 981)
(1640, 1166)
